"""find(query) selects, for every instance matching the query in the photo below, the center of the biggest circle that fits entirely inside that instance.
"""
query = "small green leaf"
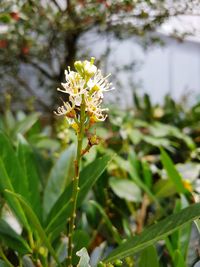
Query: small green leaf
(173, 174)
(149, 256)
(11, 239)
(155, 232)
(84, 258)
(125, 189)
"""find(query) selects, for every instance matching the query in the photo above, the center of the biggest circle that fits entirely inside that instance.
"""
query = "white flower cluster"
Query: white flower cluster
(85, 84)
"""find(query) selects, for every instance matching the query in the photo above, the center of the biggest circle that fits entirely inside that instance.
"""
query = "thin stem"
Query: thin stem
(76, 183)
(3, 256)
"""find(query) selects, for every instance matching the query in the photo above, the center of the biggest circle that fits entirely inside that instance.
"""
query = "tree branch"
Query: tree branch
(57, 5)
(41, 69)
(23, 83)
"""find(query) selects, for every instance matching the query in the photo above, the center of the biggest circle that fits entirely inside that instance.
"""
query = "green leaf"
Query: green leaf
(5, 183)
(11, 163)
(3, 264)
(58, 179)
(155, 232)
(164, 188)
(25, 124)
(125, 189)
(136, 178)
(28, 164)
(84, 258)
(5, 18)
(173, 174)
(149, 256)
(12, 240)
(56, 219)
(147, 174)
(80, 239)
(35, 222)
(179, 259)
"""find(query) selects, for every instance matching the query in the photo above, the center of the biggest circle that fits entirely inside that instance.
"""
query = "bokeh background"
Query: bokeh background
(148, 46)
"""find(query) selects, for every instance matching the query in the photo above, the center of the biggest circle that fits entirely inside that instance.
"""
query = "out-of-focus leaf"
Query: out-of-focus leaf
(3, 264)
(58, 179)
(11, 163)
(5, 183)
(11, 239)
(172, 172)
(135, 136)
(35, 223)
(27, 160)
(135, 177)
(109, 224)
(158, 142)
(125, 189)
(84, 258)
(5, 18)
(56, 219)
(25, 124)
(155, 232)
(164, 188)
(149, 256)
(179, 259)
(44, 142)
(147, 174)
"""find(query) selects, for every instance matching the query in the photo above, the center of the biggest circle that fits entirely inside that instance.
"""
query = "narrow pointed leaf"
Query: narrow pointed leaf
(172, 172)
(58, 179)
(12, 240)
(62, 208)
(155, 232)
(5, 183)
(35, 222)
(28, 164)
(149, 256)
(11, 163)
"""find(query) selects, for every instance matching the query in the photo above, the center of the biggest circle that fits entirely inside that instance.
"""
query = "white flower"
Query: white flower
(67, 109)
(75, 84)
(86, 68)
(85, 88)
(93, 107)
(99, 84)
(89, 68)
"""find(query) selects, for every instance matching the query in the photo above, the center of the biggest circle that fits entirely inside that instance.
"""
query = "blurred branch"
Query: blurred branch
(40, 68)
(32, 92)
(68, 7)
(57, 5)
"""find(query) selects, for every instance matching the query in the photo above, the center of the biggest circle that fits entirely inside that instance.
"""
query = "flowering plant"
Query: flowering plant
(85, 89)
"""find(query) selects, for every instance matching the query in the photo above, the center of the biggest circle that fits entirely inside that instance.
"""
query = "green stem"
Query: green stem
(3, 256)
(76, 188)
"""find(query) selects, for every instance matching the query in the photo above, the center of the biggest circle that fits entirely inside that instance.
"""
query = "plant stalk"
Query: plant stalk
(76, 188)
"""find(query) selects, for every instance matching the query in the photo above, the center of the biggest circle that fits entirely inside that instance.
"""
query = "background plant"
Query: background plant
(142, 184)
